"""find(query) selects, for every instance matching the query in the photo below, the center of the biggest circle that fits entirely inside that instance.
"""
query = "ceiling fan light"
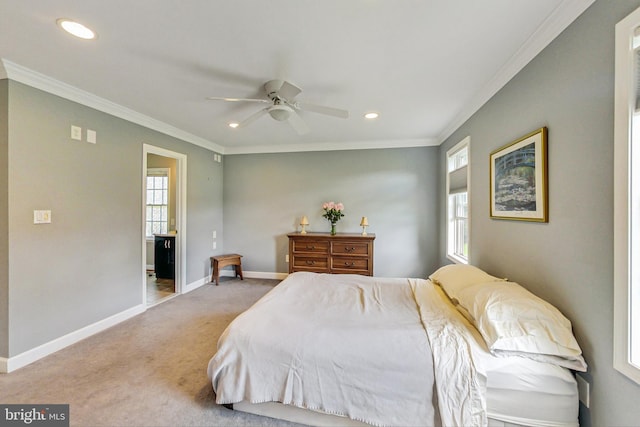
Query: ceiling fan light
(279, 112)
(371, 115)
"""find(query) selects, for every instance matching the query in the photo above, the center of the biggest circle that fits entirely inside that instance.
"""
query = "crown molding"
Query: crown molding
(567, 12)
(3, 71)
(332, 146)
(40, 81)
(559, 19)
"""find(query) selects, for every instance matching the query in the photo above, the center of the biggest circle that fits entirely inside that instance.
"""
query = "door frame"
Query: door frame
(181, 216)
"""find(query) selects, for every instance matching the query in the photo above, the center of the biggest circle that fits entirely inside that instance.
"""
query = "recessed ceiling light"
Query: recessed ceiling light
(76, 29)
(371, 115)
(234, 125)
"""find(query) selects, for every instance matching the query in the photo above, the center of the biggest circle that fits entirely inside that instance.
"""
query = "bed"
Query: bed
(352, 350)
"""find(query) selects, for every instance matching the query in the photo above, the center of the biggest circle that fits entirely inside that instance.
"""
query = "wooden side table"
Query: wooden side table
(221, 261)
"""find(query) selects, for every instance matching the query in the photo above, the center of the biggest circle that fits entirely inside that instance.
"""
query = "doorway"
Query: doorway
(163, 228)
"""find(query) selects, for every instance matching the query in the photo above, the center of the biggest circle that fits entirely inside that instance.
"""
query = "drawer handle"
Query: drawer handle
(310, 247)
(310, 262)
(347, 249)
(352, 264)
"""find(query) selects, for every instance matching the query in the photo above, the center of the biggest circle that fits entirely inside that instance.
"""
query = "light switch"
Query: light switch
(42, 217)
(76, 133)
(214, 234)
(91, 136)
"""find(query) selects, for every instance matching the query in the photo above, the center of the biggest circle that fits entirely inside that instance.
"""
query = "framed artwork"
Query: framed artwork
(519, 179)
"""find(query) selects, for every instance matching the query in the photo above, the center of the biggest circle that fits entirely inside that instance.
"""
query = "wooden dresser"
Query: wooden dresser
(323, 253)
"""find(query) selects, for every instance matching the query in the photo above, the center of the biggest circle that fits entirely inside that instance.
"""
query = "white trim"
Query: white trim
(231, 273)
(567, 12)
(30, 356)
(255, 274)
(466, 142)
(181, 216)
(195, 285)
(623, 111)
(40, 81)
(559, 19)
(332, 146)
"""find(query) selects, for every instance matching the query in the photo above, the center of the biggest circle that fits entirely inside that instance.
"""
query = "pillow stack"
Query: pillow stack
(512, 320)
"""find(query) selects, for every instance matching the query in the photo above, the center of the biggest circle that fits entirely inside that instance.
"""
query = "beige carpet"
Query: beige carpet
(147, 371)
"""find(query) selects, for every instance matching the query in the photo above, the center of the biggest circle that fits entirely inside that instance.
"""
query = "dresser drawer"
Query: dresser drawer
(349, 264)
(310, 263)
(350, 248)
(310, 246)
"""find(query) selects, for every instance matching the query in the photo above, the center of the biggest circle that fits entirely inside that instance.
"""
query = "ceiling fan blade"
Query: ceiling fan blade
(297, 123)
(330, 111)
(219, 98)
(289, 90)
(252, 118)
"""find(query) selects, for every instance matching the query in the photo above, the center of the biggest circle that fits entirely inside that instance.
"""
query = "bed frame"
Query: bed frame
(315, 418)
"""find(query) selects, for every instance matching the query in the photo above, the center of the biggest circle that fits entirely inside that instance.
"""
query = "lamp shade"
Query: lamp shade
(364, 221)
(304, 220)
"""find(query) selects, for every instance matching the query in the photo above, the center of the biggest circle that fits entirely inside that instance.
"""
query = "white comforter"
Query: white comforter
(382, 351)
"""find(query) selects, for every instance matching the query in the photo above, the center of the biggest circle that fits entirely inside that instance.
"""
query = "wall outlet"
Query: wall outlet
(583, 390)
(215, 245)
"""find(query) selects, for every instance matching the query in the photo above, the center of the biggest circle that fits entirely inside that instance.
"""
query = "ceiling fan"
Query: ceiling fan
(281, 94)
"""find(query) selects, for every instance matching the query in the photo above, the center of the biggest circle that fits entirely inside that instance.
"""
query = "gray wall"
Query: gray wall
(265, 195)
(87, 264)
(4, 223)
(569, 88)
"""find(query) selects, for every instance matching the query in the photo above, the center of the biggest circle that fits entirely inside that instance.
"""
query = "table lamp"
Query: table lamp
(304, 222)
(364, 223)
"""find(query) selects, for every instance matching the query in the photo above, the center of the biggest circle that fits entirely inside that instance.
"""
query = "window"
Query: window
(157, 201)
(458, 202)
(626, 243)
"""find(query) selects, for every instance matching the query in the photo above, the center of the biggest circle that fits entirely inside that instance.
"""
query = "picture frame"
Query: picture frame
(518, 179)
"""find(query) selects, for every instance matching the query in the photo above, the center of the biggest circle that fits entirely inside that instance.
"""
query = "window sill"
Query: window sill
(457, 259)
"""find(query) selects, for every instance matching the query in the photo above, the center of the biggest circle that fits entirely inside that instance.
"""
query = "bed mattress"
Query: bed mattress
(518, 389)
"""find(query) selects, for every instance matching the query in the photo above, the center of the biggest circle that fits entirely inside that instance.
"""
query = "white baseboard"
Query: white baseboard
(30, 356)
(23, 359)
(195, 285)
(231, 273)
(255, 274)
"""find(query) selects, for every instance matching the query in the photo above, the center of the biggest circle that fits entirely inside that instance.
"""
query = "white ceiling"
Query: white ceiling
(425, 65)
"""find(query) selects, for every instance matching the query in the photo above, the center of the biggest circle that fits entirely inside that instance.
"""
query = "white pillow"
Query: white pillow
(515, 322)
(455, 277)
